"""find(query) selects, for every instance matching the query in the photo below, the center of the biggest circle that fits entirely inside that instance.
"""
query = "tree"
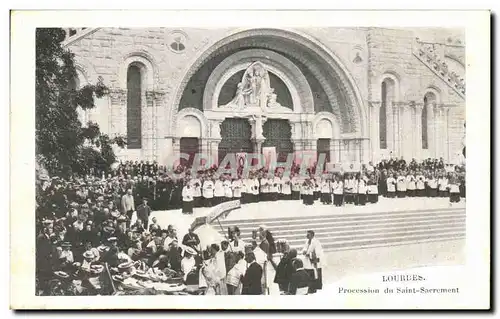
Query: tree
(63, 145)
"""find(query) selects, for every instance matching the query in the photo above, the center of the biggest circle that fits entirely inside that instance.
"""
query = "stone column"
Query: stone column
(214, 151)
(375, 130)
(176, 150)
(431, 130)
(118, 114)
(437, 128)
(417, 141)
(394, 129)
(448, 154)
(148, 126)
(158, 129)
(409, 131)
(214, 140)
(165, 151)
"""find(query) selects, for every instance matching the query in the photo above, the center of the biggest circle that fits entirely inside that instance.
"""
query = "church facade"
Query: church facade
(354, 94)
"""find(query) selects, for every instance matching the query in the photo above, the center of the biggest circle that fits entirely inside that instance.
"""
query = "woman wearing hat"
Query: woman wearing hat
(66, 259)
(188, 267)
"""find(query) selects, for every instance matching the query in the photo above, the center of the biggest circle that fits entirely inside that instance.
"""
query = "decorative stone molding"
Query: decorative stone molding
(329, 117)
(426, 53)
(79, 34)
(275, 63)
(147, 61)
(284, 38)
(191, 112)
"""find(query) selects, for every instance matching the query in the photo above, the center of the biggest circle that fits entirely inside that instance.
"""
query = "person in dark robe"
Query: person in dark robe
(252, 280)
(143, 211)
(285, 270)
(300, 279)
(174, 256)
(191, 239)
(154, 227)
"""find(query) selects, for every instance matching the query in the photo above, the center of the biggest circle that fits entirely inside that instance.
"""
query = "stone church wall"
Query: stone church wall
(367, 53)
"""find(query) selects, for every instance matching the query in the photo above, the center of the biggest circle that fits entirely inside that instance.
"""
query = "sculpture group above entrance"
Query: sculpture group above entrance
(254, 90)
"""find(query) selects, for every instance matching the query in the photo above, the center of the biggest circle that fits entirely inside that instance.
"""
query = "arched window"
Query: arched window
(134, 102)
(425, 138)
(383, 118)
(429, 101)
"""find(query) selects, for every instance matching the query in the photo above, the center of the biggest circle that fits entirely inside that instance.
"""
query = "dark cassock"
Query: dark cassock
(191, 239)
(285, 270)
(299, 281)
(143, 211)
(252, 280)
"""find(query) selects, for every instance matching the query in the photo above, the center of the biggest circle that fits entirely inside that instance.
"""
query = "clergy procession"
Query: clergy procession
(96, 235)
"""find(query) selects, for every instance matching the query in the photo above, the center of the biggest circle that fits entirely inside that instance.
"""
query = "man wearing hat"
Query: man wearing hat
(143, 211)
(66, 256)
(191, 239)
(128, 205)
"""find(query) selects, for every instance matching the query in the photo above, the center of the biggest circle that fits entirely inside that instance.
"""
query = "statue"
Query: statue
(254, 88)
(271, 99)
(258, 123)
(240, 96)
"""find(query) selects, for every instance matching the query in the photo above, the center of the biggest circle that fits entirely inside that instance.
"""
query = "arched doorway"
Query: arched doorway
(278, 134)
(333, 88)
(236, 136)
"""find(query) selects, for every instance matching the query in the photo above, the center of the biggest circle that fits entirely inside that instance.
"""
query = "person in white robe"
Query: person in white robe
(187, 199)
(196, 185)
(286, 188)
(228, 191)
(326, 196)
(233, 278)
(219, 191)
(361, 191)
(391, 186)
(264, 189)
(338, 191)
(313, 261)
(401, 185)
(237, 186)
(411, 185)
(295, 187)
(420, 184)
(208, 192)
(443, 186)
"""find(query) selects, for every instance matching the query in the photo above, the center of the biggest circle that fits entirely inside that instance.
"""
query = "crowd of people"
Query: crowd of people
(86, 222)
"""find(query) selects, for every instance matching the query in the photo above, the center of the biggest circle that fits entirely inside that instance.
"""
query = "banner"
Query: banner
(241, 159)
(334, 167)
(351, 167)
(269, 154)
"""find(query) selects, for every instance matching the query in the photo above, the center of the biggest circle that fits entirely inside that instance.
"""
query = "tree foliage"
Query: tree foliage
(63, 145)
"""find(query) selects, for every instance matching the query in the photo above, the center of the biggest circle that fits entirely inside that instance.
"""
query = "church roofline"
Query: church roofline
(78, 36)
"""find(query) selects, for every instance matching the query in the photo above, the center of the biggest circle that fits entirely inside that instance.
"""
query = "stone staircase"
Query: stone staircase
(426, 53)
(364, 230)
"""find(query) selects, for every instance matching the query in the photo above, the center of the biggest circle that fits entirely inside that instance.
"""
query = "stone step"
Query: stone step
(330, 228)
(387, 242)
(300, 238)
(333, 217)
(371, 231)
(336, 215)
(348, 221)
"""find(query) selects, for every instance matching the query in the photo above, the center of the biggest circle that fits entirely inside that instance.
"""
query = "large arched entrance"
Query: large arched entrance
(236, 136)
(305, 77)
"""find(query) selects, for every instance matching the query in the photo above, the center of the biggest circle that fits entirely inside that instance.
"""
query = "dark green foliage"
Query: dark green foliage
(63, 146)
